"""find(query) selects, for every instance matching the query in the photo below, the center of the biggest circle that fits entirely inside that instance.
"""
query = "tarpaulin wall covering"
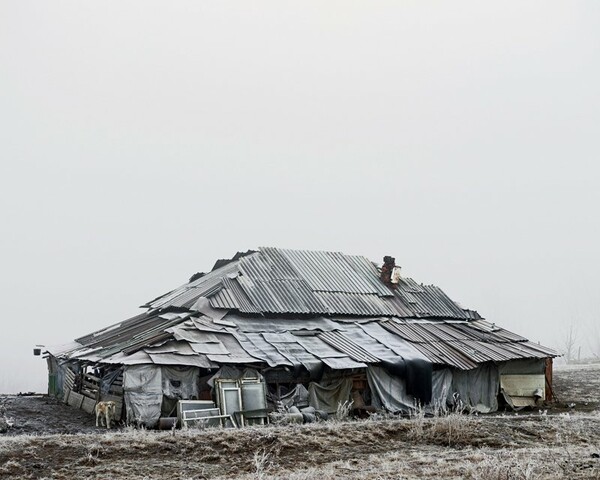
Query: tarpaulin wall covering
(478, 388)
(388, 391)
(328, 395)
(145, 386)
(441, 389)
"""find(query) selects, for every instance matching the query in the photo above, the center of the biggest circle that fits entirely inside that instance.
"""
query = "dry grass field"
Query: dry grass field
(560, 442)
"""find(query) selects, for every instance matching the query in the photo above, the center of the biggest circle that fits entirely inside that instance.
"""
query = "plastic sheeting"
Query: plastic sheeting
(108, 380)
(143, 394)
(145, 386)
(297, 397)
(477, 389)
(180, 383)
(441, 389)
(328, 395)
(388, 391)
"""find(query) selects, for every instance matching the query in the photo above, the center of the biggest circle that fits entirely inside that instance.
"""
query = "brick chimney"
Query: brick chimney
(390, 273)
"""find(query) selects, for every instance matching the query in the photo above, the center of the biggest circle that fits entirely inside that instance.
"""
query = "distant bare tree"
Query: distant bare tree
(570, 344)
(593, 340)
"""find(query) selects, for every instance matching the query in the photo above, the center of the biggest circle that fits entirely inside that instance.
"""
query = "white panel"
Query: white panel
(523, 385)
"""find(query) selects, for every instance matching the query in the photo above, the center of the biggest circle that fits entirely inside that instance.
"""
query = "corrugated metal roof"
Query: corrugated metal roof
(464, 345)
(186, 295)
(342, 343)
(427, 300)
(162, 339)
(304, 288)
(232, 297)
(443, 354)
(322, 271)
(340, 303)
(305, 282)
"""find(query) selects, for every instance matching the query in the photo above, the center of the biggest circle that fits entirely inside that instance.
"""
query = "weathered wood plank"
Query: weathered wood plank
(92, 378)
(75, 400)
(66, 393)
(89, 394)
(116, 390)
(88, 405)
(91, 385)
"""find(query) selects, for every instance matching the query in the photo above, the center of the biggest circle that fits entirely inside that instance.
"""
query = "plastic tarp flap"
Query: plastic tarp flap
(415, 368)
(296, 397)
(108, 379)
(441, 394)
(328, 395)
(388, 392)
(143, 394)
(478, 388)
(180, 383)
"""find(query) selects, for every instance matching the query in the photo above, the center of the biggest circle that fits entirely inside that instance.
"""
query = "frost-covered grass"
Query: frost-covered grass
(449, 446)
(555, 443)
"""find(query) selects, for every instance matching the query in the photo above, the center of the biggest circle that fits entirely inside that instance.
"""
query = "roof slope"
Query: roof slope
(201, 341)
(280, 281)
(298, 308)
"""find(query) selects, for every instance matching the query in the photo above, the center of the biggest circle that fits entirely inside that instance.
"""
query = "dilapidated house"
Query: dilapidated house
(294, 331)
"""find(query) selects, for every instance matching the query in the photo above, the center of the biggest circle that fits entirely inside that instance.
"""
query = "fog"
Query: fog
(141, 140)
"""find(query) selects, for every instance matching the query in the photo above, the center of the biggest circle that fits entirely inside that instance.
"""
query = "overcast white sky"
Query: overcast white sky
(142, 140)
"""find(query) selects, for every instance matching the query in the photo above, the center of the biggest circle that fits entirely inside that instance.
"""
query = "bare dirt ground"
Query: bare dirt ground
(50, 440)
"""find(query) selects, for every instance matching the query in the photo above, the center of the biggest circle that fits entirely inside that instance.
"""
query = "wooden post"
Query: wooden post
(549, 392)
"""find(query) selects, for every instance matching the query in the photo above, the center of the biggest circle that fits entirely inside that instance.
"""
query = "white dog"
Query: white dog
(105, 412)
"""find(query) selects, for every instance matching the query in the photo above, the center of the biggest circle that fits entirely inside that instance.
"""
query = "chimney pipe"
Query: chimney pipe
(390, 273)
(386, 269)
